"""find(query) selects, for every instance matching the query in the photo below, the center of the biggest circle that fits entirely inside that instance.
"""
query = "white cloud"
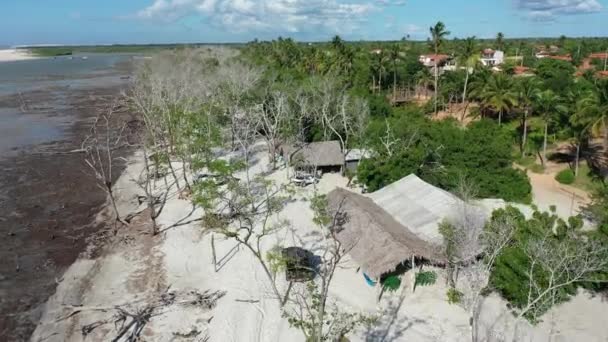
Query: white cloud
(265, 15)
(546, 10)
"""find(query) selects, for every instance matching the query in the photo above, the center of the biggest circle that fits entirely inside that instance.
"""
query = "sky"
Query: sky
(26, 22)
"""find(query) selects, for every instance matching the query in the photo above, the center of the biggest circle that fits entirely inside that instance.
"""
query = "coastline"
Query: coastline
(14, 55)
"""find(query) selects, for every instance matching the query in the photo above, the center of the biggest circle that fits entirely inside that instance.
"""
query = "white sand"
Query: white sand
(181, 258)
(11, 55)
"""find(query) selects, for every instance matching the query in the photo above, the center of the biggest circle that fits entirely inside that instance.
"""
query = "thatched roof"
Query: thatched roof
(373, 238)
(323, 153)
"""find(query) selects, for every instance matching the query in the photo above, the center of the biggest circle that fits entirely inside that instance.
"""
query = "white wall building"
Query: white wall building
(492, 58)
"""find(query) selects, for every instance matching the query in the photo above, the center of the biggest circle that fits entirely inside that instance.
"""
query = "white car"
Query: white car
(304, 180)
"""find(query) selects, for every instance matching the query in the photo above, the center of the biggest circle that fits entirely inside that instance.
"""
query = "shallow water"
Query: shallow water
(37, 91)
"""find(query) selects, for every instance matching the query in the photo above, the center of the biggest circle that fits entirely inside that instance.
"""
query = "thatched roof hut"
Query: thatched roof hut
(320, 154)
(373, 238)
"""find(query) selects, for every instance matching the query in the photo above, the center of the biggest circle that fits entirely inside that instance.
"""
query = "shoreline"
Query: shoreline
(15, 55)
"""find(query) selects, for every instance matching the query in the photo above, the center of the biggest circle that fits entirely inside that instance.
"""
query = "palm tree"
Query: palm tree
(438, 35)
(424, 78)
(380, 59)
(547, 104)
(394, 55)
(466, 58)
(499, 95)
(500, 41)
(527, 91)
(593, 110)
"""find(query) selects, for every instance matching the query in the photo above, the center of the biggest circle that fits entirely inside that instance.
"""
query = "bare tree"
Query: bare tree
(273, 119)
(101, 146)
(310, 308)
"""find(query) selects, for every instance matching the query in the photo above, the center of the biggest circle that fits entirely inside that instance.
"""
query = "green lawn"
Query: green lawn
(586, 180)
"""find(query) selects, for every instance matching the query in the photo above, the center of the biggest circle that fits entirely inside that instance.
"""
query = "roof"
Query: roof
(356, 154)
(521, 70)
(435, 57)
(422, 207)
(373, 238)
(488, 52)
(323, 153)
(599, 55)
(565, 58)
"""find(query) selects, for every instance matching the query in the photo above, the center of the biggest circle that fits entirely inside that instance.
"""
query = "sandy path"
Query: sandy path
(547, 191)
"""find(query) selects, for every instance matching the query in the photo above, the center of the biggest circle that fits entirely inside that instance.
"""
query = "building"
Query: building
(492, 58)
(522, 71)
(431, 61)
(324, 156)
(354, 157)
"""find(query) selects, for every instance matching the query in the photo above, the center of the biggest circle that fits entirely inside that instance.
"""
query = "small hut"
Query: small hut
(354, 157)
(373, 238)
(323, 156)
(300, 264)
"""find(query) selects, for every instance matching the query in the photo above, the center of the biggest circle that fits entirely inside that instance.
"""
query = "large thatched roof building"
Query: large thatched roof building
(401, 221)
(322, 155)
(373, 238)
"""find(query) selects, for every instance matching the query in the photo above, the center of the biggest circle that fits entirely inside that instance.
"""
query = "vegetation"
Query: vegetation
(566, 177)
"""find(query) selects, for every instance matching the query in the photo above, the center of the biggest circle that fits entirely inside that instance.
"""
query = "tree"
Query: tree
(394, 54)
(100, 147)
(500, 41)
(593, 109)
(467, 58)
(310, 309)
(527, 92)
(499, 94)
(547, 104)
(438, 35)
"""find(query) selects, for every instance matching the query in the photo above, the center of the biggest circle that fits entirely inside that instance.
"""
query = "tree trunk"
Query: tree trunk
(577, 160)
(466, 83)
(373, 84)
(394, 82)
(500, 117)
(545, 141)
(436, 88)
(524, 137)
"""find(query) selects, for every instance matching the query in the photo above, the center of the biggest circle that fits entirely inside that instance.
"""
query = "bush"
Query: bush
(454, 296)
(425, 279)
(391, 283)
(565, 177)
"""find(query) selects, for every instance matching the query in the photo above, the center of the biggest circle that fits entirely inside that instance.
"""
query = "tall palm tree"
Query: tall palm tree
(527, 90)
(547, 104)
(424, 78)
(379, 65)
(498, 94)
(394, 54)
(593, 109)
(438, 35)
(467, 59)
(500, 41)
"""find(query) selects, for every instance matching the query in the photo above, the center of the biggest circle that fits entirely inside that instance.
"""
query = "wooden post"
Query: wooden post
(413, 273)
(213, 252)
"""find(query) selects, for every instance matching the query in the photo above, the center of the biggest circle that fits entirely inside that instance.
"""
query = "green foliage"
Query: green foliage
(511, 274)
(441, 153)
(51, 51)
(391, 283)
(454, 296)
(425, 279)
(319, 205)
(565, 176)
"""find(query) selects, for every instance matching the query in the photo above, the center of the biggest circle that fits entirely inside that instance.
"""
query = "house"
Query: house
(431, 61)
(565, 58)
(492, 58)
(324, 156)
(401, 221)
(354, 157)
(522, 71)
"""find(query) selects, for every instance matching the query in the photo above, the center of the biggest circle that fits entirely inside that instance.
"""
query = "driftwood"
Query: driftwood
(131, 318)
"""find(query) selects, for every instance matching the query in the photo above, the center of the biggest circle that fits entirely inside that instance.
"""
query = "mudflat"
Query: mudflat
(49, 200)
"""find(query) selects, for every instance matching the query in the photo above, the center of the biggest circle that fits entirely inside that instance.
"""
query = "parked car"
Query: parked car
(304, 180)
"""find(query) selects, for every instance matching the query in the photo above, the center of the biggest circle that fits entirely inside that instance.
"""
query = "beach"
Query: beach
(12, 55)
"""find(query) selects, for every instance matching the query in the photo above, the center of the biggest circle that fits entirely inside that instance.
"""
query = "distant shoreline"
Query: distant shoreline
(12, 55)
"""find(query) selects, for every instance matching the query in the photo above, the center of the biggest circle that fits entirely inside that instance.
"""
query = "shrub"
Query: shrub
(391, 283)
(454, 296)
(425, 279)
(565, 177)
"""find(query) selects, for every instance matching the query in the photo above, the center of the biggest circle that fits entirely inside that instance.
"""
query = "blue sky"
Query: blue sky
(166, 21)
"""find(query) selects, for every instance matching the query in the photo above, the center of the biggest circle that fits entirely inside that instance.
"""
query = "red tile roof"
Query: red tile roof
(520, 70)
(599, 55)
(565, 58)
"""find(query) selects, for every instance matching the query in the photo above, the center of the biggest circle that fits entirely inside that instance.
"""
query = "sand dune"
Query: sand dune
(11, 55)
